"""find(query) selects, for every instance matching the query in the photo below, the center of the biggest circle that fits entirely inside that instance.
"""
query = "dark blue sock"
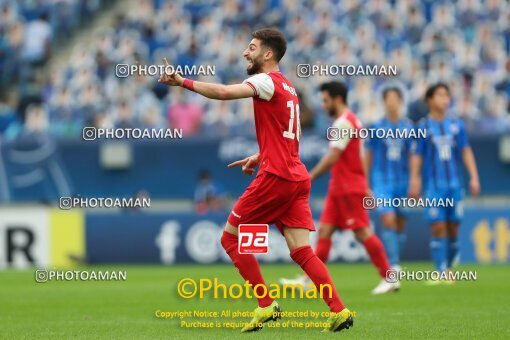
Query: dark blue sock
(390, 240)
(453, 251)
(439, 251)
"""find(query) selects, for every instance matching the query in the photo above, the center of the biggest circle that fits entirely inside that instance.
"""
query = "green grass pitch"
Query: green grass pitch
(126, 310)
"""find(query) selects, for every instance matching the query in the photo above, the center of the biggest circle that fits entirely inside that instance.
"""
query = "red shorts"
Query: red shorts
(270, 199)
(345, 211)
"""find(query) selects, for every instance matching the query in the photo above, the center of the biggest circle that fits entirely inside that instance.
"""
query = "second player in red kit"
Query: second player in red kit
(343, 208)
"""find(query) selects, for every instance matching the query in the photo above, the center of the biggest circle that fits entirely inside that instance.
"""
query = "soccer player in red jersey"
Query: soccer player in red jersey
(280, 191)
(347, 187)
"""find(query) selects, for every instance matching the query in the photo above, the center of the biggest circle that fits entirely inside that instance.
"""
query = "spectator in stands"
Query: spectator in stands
(151, 117)
(35, 128)
(64, 122)
(12, 50)
(504, 84)
(183, 114)
(124, 116)
(9, 121)
(219, 118)
(428, 40)
(36, 48)
(467, 111)
(495, 118)
(208, 194)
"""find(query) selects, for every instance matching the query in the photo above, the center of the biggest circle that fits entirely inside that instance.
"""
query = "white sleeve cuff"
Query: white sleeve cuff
(262, 85)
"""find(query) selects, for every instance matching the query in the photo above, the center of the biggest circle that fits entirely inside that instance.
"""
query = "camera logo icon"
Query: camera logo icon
(391, 276)
(65, 203)
(304, 70)
(333, 133)
(122, 70)
(369, 203)
(89, 133)
(41, 276)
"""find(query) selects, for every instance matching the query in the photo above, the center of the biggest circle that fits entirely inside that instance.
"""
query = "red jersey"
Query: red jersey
(347, 174)
(276, 108)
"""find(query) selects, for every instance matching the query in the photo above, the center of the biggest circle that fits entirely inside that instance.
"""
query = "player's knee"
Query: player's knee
(401, 224)
(439, 229)
(362, 234)
(223, 240)
(296, 237)
(325, 231)
(228, 241)
(389, 221)
(453, 229)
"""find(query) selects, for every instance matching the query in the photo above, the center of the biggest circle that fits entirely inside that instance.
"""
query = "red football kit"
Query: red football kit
(343, 206)
(280, 192)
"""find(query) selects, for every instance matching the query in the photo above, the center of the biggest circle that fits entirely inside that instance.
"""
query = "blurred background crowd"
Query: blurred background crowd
(465, 43)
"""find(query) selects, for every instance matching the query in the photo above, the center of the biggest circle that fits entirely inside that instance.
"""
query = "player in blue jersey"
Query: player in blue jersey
(437, 163)
(387, 162)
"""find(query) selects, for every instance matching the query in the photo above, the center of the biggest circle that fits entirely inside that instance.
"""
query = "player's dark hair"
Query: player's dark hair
(335, 89)
(392, 89)
(272, 39)
(433, 88)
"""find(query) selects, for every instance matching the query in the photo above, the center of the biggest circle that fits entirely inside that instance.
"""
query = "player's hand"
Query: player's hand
(248, 164)
(171, 79)
(474, 187)
(414, 188)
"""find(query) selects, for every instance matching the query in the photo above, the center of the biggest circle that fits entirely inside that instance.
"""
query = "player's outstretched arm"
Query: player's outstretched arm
(222, 92)
(469, 161)
(415, 164)
(209, 90)
(325, 163)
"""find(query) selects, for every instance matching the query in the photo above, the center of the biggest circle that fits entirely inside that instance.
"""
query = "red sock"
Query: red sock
(322, 248)
(377, 254)
(318, 273)
(247, 265)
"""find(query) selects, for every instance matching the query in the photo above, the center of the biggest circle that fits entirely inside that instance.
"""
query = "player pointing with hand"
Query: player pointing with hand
(280, 191)
(248, 164)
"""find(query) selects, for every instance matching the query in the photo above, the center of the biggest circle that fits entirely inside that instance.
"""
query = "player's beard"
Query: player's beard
(332, 112)
(256, 66)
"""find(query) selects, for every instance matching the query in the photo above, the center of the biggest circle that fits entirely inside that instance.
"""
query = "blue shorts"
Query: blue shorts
(390, 192)
(449, 207)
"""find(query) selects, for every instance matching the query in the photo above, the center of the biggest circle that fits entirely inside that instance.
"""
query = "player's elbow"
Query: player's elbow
(334, 155)
(415, 161)
(466, 151)
(223, 93)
